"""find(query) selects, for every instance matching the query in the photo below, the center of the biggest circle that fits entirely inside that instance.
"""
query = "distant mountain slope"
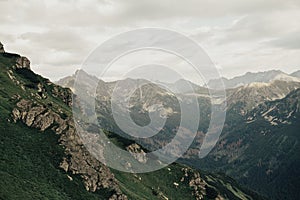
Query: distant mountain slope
(248, 97)
(183, 86)
(241, 138)
(148, 99)
(296, 74)
(261, 149)
(260, 77)
(43, 158)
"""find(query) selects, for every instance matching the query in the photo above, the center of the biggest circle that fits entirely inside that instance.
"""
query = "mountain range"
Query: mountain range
(257, 77)
(42, 156)
(259, 143)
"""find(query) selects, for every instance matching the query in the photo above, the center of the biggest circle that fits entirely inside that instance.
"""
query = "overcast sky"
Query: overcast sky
(238, 35)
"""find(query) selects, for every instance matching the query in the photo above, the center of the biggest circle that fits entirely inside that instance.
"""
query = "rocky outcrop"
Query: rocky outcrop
(78, 160)
(64, 94)
(118, 197)
(44, 87)
(38, 116)
(22, 63)
(1, 48)
(137, 152)
(198, 186)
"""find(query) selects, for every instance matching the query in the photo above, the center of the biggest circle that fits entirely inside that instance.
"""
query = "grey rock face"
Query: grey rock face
(22, 62)
(198, 186)
(138, 153)
(64, 94)
(77, 160)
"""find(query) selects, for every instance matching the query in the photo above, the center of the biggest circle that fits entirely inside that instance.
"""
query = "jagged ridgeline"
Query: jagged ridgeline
(43, 158)
(259, 145)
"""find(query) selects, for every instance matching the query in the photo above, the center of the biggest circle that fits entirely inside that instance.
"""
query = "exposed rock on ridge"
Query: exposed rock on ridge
(137, 152)
(22, 62)
(78, 160)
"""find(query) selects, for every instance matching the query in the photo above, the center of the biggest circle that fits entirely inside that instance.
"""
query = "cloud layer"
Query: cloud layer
(239, 36)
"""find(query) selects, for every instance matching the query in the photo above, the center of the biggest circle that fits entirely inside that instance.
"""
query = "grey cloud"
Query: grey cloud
(130, 12)
(260, 27)
(290, 41)
(62, 33)
(202, 35)
(195, 8)
(6, 37)
(58, 40)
